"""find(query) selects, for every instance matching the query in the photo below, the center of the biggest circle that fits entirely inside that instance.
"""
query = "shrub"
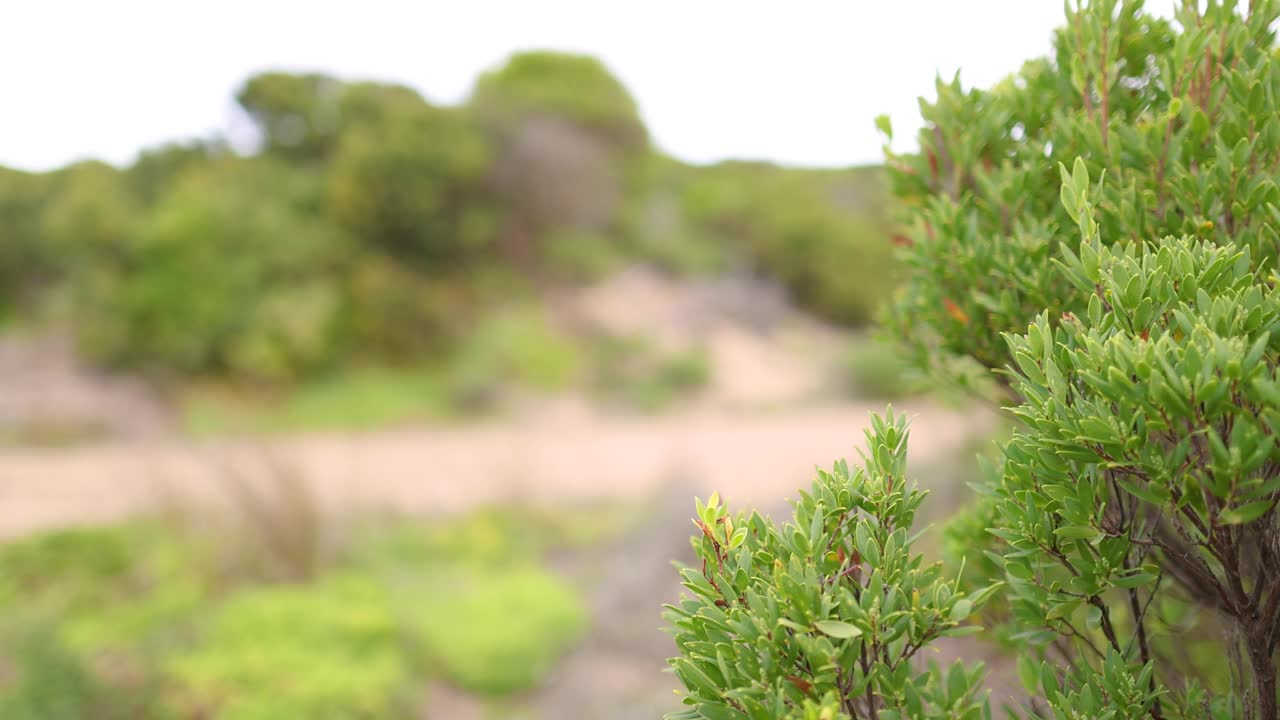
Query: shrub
(46, 680)
(514, 346)
(570, 147)
(89, 215)
(822, 234)
(412, 186)
(327, 652)
(358, 398)
(821, 618)
(138, 621)
(1099, 229)
(87, 579)
(24, 261)
(633, 372)
(296, 115)
(545, 83)
(242, 232)
(497, 631)
(489, 619)
(579, 256)
(89, 614)
(878, 369)
(395, 313)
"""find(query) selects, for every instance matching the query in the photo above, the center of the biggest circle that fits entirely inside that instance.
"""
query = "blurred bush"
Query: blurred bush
(577, 88)
(46, 680)
(497, 631)
(515, 346)
(824, 234)
(411, 186)
(879, 369)
(357, 398)
(147, 621)
(633, 373)
(374, 228)
(325, 651)
(93, 612)
(570, 147)
(229, 272)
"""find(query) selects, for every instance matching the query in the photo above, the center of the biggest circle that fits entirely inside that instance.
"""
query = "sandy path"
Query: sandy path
(751, 458)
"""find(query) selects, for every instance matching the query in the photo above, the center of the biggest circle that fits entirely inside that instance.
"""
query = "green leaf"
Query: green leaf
(1148, 492)
(884, 126)
(1080, 177)
(1048, 679)
(1029, 674)
(838, 629)
(1135, 580)
(957, 683)
(1246, 513)
(1077, 532)
(1093, 617)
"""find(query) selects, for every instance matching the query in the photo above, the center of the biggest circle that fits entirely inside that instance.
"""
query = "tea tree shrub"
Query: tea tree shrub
(821, 618)
(1098, 234)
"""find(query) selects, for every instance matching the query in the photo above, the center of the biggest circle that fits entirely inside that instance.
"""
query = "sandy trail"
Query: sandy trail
(753, 459)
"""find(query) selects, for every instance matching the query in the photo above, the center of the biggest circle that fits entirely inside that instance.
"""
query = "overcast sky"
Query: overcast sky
(795, 82)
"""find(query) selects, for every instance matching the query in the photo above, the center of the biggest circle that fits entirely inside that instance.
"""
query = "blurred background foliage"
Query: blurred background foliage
(154, 619)
(373, 228)
(377, 260)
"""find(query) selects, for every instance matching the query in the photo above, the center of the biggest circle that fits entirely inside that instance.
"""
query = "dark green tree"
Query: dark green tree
(298, 116)
(570, 147)
(412, 185)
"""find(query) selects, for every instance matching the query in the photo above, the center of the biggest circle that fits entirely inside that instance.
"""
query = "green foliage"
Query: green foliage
(1177, 114)
(373, 229)
(497, 630)
(577, 255)
(47, 680)
(489, 619)
(1154, 420)
(822, 234)
(325, 652)
(661, 228)
(136, 622)
(158, 168)
(296, 115)
(518, 346)
(90, 612)
(1099, 230)
(631, 372)
(90, 213)
(574, 87)
(570, 152)
(354, 399)
(878, 369)
(822, 616)
(242, 234)
(87, 579)
(24, 262)
(396, 313)
(412, 186)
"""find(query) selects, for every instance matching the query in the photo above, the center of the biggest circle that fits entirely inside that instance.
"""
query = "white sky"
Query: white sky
(794, 82)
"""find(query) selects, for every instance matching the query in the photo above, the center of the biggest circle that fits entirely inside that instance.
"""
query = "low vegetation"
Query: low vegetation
(147, 621)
